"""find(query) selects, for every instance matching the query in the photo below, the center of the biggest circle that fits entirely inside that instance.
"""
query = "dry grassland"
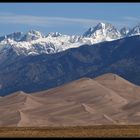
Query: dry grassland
(78, 131)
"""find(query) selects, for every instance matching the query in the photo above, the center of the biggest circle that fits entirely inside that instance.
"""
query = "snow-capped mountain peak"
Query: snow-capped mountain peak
(102, 32)
(100, 25)
(32, 35)
(54, 34)
(34, 32)
(92, 30)
(16, 36)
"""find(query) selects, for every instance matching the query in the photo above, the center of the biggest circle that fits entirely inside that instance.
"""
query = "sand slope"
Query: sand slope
(123, 87)
(107, 99)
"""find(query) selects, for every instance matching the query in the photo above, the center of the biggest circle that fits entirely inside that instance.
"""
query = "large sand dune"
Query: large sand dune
(107, 99)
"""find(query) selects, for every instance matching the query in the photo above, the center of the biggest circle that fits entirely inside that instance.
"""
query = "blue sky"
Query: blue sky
(66, 18)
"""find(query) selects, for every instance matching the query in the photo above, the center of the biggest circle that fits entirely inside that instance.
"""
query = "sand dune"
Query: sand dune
(123, 87)
(107, 99)
(18, 100)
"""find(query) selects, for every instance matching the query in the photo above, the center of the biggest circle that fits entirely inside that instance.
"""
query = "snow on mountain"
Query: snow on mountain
(124, 31)
(32, 35)
(20, 36)
(135, 31)
(102, 32)
(16, 36)
(54, 34)
(41, 45)
(34, 42)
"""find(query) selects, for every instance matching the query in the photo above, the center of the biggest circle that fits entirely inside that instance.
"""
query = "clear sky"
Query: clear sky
(66, 18)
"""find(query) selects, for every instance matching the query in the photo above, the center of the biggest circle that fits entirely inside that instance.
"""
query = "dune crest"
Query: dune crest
(121, 86)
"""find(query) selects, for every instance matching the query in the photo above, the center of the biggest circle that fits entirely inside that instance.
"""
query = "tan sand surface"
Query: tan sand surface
(107, 99)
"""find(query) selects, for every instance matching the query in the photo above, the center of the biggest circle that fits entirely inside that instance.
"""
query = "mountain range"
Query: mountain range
(34, 42)
(33, 62)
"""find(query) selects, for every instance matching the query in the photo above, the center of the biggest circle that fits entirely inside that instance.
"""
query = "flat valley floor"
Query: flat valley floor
(78, 131)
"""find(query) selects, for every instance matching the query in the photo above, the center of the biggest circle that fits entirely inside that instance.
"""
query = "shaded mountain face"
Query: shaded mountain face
(35, 73)
(83, 102)
(125, 31)
(135, 31)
